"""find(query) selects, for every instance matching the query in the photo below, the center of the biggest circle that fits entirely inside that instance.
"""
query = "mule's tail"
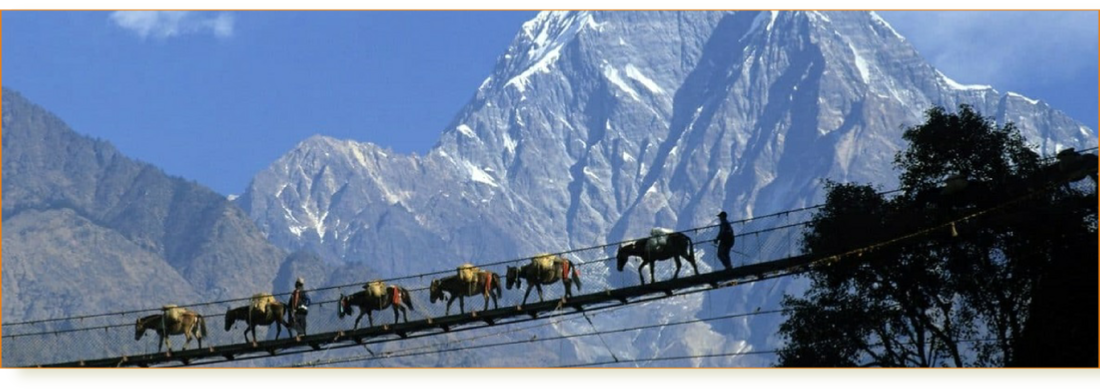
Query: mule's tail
(405, 297)
(576, 276)
(691, 246)
(496, 285)
(202, 328)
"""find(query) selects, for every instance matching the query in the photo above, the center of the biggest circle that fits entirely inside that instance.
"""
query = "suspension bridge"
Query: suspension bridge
(767, 247)
(107, 340)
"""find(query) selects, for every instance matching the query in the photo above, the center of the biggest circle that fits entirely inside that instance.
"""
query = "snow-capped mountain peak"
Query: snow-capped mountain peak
(596, 126)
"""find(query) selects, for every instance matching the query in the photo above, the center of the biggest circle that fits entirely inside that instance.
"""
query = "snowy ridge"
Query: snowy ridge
(546, 35)
(759, 20)
(1029, 100)
(958, 86)
(878, 19)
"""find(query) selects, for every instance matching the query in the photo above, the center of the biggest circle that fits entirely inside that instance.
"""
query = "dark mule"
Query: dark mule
(678, 245)
(395, 296)
(253, 316)
(488, 285)
(537, 275)
(188, 323)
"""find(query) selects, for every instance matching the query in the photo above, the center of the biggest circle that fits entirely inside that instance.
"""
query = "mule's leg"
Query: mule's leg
(526, 294)
(652, 274)
(194, 334)
(449, 302)
(677, 273)
(357, 319)
(538, 286)
(641, 267)
(370, 318)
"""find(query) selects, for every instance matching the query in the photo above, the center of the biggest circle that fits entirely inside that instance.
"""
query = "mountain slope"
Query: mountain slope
(89, 230)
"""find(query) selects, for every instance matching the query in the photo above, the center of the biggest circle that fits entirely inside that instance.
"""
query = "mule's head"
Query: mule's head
(624, 254)
(512, 277)
(435, 293)
(229, 319)
(343, 307)
(139, 329)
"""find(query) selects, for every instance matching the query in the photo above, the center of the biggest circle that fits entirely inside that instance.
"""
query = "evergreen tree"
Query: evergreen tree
(945, 273)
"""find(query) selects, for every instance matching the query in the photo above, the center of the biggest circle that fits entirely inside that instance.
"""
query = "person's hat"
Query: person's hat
(300, 282)
(722, 214)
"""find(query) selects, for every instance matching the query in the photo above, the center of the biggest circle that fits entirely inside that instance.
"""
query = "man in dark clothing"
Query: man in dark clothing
(724, 240)
(299, 306)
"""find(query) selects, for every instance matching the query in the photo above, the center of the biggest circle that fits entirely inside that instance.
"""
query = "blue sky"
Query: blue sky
(217, 96)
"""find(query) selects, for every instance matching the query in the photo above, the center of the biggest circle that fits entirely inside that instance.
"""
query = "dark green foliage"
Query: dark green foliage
(962, 143)
(962, 293)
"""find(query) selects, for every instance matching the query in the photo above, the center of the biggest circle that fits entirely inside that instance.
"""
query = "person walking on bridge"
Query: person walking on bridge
(724, 240)
(299, 307)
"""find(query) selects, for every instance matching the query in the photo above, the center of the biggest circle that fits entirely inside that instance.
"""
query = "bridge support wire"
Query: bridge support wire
(597, 332)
